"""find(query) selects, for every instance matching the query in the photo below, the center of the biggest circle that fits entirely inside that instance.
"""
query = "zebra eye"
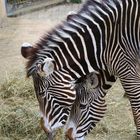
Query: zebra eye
(83, 106)
(45, 68)
(48, 66)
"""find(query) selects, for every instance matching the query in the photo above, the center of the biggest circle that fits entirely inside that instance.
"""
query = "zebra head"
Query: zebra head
(55, 94)
(88, 108)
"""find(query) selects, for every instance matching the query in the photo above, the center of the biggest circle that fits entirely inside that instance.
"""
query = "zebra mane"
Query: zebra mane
(39, 46)
(44, 42)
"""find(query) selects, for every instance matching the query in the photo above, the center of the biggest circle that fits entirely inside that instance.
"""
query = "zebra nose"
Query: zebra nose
(50, 136)
(68, 134)
(47, 131)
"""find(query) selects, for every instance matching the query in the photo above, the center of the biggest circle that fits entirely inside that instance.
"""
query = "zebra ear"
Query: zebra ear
(26, 49)
(48, 66)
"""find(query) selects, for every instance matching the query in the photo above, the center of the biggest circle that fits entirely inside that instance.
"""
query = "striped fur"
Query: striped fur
(104, 38)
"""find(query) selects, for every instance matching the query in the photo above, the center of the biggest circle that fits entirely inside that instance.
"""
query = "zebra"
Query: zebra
(89, 106)
(90, 93)
(103, 37)
(55, 95)
(90, 101)
(88, 85)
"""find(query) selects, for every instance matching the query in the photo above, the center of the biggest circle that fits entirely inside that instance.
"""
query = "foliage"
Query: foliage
(76, 1)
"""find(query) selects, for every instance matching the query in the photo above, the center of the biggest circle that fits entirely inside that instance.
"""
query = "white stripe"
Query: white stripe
(92, 35)
(84, 47)
(60, 40)
(63, 34)
(139, 33)
(136, 15)
(99, 28)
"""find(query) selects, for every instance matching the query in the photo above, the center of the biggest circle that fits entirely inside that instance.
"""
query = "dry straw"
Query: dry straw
(19, 113)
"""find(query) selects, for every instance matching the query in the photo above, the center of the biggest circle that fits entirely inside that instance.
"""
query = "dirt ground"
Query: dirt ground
(118, 123)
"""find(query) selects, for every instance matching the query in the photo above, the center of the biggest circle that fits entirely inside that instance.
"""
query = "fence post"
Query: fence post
(3, 11)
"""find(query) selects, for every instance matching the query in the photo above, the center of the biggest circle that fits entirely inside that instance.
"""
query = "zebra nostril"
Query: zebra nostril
(50, 136)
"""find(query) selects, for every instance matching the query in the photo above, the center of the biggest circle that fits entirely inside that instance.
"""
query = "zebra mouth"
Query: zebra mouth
(50, 136)
(69, 134)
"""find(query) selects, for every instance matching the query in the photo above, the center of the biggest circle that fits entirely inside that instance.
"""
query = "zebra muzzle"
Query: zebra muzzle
(49, 134)
(68, 134)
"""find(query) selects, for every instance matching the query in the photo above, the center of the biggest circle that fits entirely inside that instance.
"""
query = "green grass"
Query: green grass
(76, 1)
(19, 113)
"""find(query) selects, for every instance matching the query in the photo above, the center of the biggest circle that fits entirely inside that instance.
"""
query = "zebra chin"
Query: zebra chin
(71, 131)
(71, 135)
(50, 127)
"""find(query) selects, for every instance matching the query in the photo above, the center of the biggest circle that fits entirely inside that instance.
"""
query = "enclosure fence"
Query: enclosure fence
(14, 7)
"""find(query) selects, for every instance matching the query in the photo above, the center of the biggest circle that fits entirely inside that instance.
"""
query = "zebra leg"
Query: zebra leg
(131, 84)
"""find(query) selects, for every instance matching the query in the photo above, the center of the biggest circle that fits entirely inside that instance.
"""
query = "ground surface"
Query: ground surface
(118, 122)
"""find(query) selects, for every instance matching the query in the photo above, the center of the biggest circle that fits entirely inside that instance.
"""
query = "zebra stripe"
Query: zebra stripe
(89, 107)
(103, 38)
